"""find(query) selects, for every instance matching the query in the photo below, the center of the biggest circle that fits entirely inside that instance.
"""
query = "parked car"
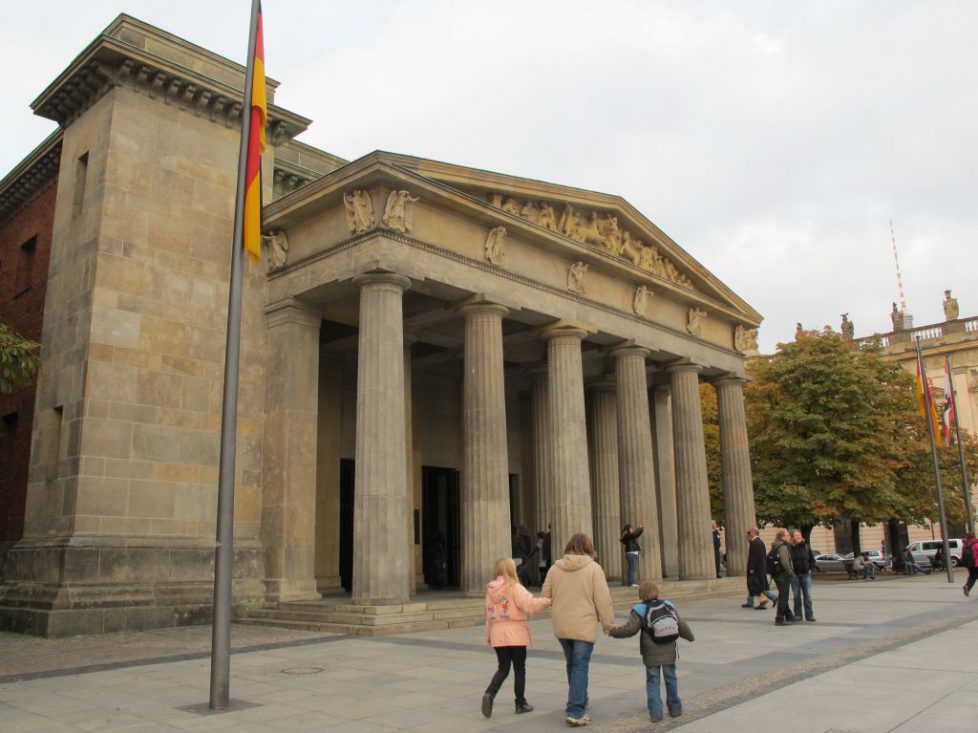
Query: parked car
(924, 550)
(830, 562)
(877, 558)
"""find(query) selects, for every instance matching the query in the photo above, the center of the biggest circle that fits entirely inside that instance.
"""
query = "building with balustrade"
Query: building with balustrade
(431, 354)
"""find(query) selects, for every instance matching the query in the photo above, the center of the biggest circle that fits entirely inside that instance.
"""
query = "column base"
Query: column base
(290, 589)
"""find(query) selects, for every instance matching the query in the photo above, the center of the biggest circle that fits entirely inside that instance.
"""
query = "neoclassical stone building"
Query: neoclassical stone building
(431, 354)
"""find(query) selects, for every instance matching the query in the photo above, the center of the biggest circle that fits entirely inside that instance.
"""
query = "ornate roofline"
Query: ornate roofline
(31, 176)
(113, 59)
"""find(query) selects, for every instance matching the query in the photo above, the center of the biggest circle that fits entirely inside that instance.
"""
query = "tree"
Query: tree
(711, 439)
(835, 434)
(18, 359)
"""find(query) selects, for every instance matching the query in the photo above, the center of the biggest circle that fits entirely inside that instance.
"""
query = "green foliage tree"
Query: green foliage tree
(18, 359)
(835, 434)
(711, 437)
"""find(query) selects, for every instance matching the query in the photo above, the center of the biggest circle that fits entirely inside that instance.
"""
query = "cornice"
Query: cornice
(31, 176)
(110, 62)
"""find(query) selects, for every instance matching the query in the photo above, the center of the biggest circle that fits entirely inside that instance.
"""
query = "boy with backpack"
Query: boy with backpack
(660, 626)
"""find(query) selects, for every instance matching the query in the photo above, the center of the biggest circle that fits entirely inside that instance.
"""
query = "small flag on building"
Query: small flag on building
(256, 146)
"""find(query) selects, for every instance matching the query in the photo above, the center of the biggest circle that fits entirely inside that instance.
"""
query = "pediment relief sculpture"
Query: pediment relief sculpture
(278, 248)
(640, 303)
(745, 340)
(494, 246)
(398, 212)
(694, 323)
(599, 230)
(359, 210)
(575, 278)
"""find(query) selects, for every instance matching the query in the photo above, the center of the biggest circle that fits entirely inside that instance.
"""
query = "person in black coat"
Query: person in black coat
(757, 582)
(629, 538)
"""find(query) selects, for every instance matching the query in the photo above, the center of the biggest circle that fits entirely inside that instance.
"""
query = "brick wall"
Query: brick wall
(23, 282)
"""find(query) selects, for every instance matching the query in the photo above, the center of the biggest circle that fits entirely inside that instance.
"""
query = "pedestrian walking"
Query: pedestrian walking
(508, 604)
(780, 567)
(757, 583)
(580, 595)
(969, 559)
(803, 561)
(658, 650)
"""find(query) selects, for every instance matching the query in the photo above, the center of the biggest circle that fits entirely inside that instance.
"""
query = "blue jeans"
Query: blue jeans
(632, 559)
(578, 656)
(654, 694)
(801, 589)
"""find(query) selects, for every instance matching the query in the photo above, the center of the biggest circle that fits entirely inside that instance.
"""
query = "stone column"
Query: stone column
(603, 439)
(571, 478)
(381, 567)
(695, 534)
(666, 475)
(485, 463)
(411, 471)
(328, 472)
(542, 448)
(738, 486)
(288, 518)
(636, 467)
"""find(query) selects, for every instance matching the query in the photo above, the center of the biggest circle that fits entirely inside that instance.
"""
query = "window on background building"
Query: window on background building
(25, 266)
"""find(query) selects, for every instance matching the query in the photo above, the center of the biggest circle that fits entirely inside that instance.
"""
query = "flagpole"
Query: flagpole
(965, 483)
(928, 411)
(224, 550)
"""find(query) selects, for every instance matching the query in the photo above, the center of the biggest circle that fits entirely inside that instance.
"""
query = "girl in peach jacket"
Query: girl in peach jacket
(508, 604)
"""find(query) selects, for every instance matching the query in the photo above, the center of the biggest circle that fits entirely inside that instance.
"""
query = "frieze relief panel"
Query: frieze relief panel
(599, 230)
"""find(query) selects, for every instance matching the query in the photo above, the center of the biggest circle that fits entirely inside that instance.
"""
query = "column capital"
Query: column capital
(629, 350)
(382, 278)
(684, 365)
(605, 383)
(730, 380)
(562, 330)
(291, 310)
(483, 306)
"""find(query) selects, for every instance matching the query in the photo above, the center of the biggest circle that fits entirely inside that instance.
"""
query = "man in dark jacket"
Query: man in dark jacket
(782, 574)
(629, 538)
(803, 561)
(757, 583)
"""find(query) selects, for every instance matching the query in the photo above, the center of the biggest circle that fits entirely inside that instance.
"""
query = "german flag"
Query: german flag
(925, 400)
(256, 146)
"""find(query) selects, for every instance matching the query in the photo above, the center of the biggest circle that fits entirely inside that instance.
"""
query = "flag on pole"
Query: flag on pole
(926, 401)
(256, 146)
(949, 412)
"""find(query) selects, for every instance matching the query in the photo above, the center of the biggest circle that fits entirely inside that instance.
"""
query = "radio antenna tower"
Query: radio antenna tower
(896, 259)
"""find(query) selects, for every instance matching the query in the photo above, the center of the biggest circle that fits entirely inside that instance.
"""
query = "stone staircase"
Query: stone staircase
(434, 610)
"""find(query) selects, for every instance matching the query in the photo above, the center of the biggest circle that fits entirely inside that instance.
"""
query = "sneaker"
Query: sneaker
(675, 715)
(578, 722)
(634, 585)
(811, 620)
(487, 704)
(523, 707)
(746, 605)
(655, 719)
(760, 606)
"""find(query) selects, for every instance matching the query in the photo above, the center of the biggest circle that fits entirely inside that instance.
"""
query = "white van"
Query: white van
(924, 550)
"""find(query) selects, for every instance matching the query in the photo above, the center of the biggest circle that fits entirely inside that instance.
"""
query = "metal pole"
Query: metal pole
(224, 551)
(965, 483)
(928, 406)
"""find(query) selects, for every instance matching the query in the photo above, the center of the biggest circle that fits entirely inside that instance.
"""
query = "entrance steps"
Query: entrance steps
(434, 610)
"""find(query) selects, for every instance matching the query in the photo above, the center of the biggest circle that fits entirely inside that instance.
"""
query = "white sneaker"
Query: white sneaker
(583, 720)
(634, 585)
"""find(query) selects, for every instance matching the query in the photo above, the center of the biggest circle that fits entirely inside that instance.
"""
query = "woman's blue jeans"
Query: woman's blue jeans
(654, 694)
(578, 656)
(632, 559)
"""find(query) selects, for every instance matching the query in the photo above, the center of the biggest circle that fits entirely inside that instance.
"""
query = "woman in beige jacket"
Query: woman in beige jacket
(581, 598)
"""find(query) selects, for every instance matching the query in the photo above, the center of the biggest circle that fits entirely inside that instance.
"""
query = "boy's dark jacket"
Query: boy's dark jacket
(653, 655)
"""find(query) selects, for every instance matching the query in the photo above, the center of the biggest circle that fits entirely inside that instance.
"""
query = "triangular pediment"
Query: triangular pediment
(607, 226)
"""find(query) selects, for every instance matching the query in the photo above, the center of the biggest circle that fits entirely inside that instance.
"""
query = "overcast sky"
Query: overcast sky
(773, 141)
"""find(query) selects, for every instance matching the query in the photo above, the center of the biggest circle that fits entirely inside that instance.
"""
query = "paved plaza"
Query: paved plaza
(897, 655)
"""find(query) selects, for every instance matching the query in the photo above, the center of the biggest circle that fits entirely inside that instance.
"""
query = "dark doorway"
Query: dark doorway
(347, 474)
(441, 545)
